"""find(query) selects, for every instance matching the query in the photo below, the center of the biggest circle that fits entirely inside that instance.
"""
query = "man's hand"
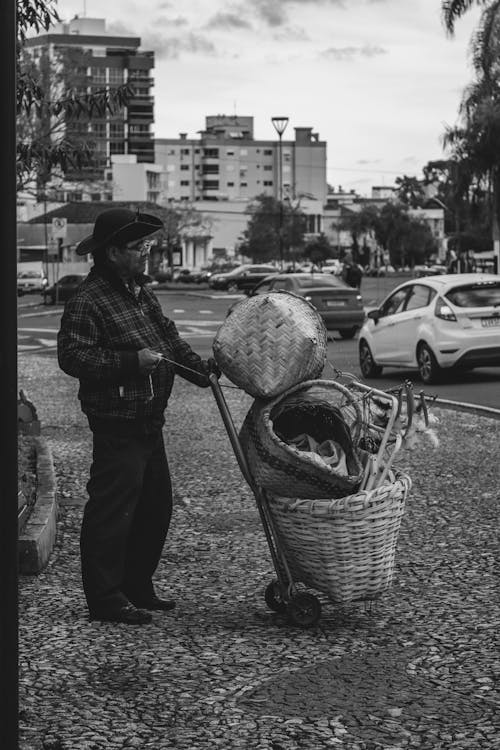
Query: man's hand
(213, 367)
(148, 361)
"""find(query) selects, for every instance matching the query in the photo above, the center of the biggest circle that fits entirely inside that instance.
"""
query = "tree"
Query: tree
(407, 240)
(319, 249)
(410, 191)
(262, 235)
(43, 145)
(474, 143)
(360, 224)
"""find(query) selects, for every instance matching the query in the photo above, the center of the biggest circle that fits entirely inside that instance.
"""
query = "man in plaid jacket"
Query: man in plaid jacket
(115, 339)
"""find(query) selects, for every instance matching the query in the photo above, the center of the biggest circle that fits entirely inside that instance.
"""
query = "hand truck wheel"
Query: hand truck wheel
(304, 610)
(273, 597)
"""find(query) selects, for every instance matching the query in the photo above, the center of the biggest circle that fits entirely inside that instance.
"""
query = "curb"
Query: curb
(39, 534)
(480, 411)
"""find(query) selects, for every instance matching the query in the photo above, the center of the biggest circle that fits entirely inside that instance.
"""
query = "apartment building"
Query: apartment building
(82, 55)
(226, 163)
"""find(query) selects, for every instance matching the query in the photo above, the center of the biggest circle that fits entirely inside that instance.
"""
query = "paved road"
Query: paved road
(199, 314)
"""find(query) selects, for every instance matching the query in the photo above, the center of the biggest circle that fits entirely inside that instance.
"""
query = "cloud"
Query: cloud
(351, 53)
(227, 21)
(174, 47)
(275, 12)
(292, 34)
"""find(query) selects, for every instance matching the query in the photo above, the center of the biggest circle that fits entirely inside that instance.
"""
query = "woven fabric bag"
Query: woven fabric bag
(323, 408)
(346, 547)
(270, 342)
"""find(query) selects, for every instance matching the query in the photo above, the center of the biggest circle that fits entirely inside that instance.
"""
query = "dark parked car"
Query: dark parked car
(63, 289)
(187, 276)
(240, 279)
(340, 306)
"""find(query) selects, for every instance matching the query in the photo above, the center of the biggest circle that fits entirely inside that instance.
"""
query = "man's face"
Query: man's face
(130, 259)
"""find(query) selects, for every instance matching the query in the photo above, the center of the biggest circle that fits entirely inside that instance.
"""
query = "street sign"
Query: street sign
(59, 228)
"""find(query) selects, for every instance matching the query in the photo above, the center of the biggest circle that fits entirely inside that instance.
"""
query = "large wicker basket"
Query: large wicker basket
(270, 342)
(323, 408)
(346, 547)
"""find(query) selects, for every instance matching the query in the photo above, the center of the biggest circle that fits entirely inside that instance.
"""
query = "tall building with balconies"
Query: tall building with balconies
(82, 56)
(226, 163)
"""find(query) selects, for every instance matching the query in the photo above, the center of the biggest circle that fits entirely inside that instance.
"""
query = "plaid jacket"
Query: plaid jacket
(102, 328)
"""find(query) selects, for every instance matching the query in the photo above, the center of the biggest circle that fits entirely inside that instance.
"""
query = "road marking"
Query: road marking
(199, 322)
(48, 342)
(178, 311)
(195, 331)
(39, 330)
(206, 312)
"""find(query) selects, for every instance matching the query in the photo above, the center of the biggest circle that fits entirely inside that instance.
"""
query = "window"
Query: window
(419, 296)
(211, 153)
(184, 167)
(268, 167)
(475, 295)
(268, 152)
(99, 129)
(184, 183)
(210, 169)
(229, 153)
(115, 75)
(95, 196)
(268, 183)
(394, 303)
(116, 129)
(280, 285)
(230, 184)
(98, 75)
(243, 152)
(243, 184)
(210, 184)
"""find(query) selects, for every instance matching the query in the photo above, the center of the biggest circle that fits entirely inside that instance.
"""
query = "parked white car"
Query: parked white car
(434, 323)
(30, 281)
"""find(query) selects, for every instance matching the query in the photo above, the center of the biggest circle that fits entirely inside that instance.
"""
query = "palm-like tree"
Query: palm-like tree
(476, 143)
(485, 40)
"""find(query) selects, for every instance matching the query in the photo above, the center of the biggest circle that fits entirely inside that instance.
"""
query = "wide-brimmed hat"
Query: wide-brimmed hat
(118, 226)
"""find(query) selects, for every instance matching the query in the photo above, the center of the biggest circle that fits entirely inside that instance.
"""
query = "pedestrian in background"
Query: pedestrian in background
(115, 339)
(351, 273)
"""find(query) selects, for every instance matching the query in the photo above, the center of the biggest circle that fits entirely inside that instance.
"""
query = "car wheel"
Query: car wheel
(367, 365)
(348, 333)
(429, 370)
(232, 287)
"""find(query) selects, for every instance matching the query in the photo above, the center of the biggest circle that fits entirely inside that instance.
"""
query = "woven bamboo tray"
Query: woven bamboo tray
(324, 408)
(346, 547)
(270, 342)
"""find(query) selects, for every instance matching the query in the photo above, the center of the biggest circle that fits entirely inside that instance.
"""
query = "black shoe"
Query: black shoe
(155, 603)
(127, 614)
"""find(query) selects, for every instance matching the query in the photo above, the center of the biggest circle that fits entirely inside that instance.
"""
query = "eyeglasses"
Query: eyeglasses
(140, 246)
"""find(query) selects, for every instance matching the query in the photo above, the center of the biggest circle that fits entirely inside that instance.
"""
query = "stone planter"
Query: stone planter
(39, 531)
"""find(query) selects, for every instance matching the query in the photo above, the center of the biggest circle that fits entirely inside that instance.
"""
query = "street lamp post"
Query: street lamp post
(280, 124)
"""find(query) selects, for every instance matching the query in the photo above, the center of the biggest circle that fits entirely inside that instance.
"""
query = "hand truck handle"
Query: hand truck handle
(231, 430)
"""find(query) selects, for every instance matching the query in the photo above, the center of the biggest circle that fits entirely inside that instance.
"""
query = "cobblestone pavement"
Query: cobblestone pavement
(419, 670)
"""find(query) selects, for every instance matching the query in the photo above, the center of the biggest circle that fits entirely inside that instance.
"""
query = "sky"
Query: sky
(378, 80)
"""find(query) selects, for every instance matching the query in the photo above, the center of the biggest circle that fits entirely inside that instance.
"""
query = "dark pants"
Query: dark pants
(126, 519)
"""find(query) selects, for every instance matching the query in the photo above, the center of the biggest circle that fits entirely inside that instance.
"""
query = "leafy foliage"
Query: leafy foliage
(268, 219)
(42, 144)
